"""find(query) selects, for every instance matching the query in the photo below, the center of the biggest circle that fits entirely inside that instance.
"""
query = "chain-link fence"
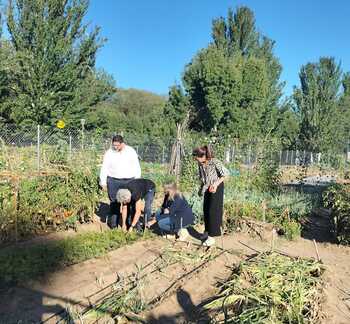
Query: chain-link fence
(37, 147)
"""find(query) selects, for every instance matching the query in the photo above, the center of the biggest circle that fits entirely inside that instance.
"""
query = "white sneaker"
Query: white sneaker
(183, 234)
(204, 236)
(210, 241)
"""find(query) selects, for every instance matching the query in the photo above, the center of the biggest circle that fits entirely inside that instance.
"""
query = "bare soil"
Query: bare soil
(176, 289)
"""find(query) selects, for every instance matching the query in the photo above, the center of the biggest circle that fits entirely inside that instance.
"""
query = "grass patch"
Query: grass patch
(20, 264)
(270, 288)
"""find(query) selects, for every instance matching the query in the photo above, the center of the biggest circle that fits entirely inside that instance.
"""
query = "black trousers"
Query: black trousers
(213, 208)
(113, 186)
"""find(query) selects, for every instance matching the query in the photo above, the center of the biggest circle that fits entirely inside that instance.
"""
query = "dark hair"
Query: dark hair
(203, 151)
(117, 138)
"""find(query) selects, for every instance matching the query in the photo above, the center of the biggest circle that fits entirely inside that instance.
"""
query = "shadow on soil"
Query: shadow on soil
(190, 312)
(24, 305)
(318, 225)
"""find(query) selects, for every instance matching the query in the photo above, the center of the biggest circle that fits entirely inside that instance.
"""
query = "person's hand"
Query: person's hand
(104, 188)
(130, 229)
(213, 188)
(124, 229)
(151, 223)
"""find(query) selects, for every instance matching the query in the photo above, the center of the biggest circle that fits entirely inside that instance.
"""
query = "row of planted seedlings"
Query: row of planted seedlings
(267, 287)
(130, 297)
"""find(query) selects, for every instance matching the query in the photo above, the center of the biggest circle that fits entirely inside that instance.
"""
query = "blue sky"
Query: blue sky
(150, 41)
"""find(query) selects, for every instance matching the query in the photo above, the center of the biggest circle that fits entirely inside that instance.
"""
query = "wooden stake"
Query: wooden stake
(273, 240)
(318, 255)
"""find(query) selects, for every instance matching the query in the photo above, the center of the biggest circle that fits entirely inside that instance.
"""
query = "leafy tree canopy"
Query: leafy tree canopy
(52, 62)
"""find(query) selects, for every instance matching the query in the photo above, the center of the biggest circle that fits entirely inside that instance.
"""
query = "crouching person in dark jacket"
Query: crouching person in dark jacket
(175, 215)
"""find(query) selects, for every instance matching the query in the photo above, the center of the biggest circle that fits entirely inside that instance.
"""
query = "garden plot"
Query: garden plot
(270, 288)
(159, 281)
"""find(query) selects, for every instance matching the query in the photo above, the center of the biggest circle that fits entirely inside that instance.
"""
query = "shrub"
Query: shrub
(337, 197)
(284, 210)
(48, 203)
(189, 180)
(266, 172)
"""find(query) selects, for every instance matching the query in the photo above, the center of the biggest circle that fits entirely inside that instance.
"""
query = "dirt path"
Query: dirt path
(185, 285)
(181, 306)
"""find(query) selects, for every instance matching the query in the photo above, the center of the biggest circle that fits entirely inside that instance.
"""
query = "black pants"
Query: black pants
(113, 186)
(148, 205)
(213, 208)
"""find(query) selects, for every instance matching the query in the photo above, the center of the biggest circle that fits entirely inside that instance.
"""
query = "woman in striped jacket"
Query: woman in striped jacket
(212, 174)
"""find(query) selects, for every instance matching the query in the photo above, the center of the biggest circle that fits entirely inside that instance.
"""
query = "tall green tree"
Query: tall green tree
(344, 106)
(317, 105)
(234, 84)
(54, 73)
(177, 106)
(4, 76)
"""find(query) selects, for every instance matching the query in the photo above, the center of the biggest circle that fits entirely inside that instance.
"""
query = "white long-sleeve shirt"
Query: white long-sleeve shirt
(122, 164)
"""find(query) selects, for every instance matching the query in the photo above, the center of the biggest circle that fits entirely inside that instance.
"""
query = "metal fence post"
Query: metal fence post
(249, 157)
(280, 157)
(38, 148)
(82, 121)
(70, 146)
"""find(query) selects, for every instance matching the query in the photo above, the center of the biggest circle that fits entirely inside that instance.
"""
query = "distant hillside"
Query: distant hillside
(132, 111)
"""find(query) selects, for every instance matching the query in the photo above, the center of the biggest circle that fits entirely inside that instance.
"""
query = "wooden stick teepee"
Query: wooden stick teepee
(178, 152)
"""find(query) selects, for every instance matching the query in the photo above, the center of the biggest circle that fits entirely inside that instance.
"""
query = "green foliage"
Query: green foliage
(189, 179)
(20, 264)
(196, 203)
(290, 229)
(337, 197)
(267, 172)
(283, 210)
(158, 173)
(48, 203)
(233, 84)
(177, 106)
(52, 63)
(317, 106)
(136, 113)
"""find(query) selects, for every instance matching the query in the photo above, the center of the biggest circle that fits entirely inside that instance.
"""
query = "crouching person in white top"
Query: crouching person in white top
(120, 165)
